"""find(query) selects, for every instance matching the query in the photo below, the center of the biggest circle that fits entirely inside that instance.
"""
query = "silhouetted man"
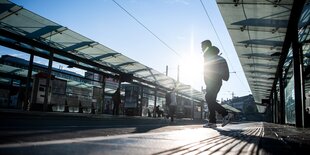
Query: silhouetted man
(215, 70)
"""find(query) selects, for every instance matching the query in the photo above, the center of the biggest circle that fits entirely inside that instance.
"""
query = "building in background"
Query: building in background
(249, 110)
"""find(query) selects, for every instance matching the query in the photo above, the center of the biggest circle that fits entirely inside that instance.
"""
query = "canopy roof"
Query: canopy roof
(257, 29)
(24, 30)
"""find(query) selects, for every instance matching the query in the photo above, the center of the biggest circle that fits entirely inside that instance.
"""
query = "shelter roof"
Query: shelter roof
(24, 30)
(258, 29)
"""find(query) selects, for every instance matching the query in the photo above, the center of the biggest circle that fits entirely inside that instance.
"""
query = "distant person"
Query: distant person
(215, 70)
(168, 101)
(158, 111)
(172, 105)
(107, 107)
(116, 101)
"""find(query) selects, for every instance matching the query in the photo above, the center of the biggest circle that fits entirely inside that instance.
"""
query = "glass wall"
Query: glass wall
(306, 61)
(289, 94)
(290, 101)
(68, 85)
(73, 88)
(304, 38)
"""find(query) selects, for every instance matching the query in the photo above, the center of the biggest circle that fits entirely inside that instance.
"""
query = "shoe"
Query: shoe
(210, 125)
(227, 119)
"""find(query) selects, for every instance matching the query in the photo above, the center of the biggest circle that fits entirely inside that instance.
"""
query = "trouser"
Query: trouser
(115, 109)
(172, 110)
(212, 91)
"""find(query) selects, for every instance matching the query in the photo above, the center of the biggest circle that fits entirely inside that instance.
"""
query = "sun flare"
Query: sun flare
(191, 69)
(191, 66)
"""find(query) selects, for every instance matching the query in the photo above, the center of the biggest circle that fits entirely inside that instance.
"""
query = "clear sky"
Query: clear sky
(169, 32)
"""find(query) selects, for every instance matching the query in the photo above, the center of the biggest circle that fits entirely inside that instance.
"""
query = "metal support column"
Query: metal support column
(103, 94)
(155, 102)
(26, 104)
(120, 94)
(282, 98)
(201, 110)
(291, 38)
(299, 102)
(141, 100)
(193, 105)
(276, 104)
(272, 108)
(48, 80)
(297, 60)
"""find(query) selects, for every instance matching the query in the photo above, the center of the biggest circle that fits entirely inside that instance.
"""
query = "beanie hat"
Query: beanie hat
(207, 43)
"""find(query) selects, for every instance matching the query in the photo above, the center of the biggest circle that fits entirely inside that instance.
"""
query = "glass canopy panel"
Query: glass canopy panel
(18, 20)
(134, 67)
(95, 50)
(257, 29)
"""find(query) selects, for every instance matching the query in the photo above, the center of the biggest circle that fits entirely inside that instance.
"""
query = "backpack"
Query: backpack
(168, 98)
(223, 67)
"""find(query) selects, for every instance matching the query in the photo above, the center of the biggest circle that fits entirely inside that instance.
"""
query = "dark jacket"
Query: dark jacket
(215, 69)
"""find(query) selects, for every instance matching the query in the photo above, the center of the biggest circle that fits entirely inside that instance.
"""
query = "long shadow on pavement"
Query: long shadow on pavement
(239, 142)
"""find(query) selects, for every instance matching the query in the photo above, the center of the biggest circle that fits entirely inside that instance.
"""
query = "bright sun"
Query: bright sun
(191, 69)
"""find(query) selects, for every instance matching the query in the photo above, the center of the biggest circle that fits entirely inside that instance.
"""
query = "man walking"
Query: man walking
(116, 101)
(173, 105)
(215, 70)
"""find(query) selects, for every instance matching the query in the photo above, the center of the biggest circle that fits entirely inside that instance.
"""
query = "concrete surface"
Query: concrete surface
(154, 136)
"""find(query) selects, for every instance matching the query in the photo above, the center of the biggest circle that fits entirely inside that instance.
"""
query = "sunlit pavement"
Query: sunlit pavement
(232, 139)
(61, 133)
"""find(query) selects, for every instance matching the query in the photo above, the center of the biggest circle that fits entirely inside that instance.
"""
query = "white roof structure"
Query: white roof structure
(24, 30)
(258, 29)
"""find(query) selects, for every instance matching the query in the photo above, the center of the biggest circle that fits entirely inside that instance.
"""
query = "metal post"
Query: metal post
(141, 100)
(155, 102)
(297, 62)
(26, 99)
(273, 111)
(193, 104)
(103, 94)
(193, 108)
(276, 103)
(282, 98)
(299, 102)
(120, 90)
(48, 80)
